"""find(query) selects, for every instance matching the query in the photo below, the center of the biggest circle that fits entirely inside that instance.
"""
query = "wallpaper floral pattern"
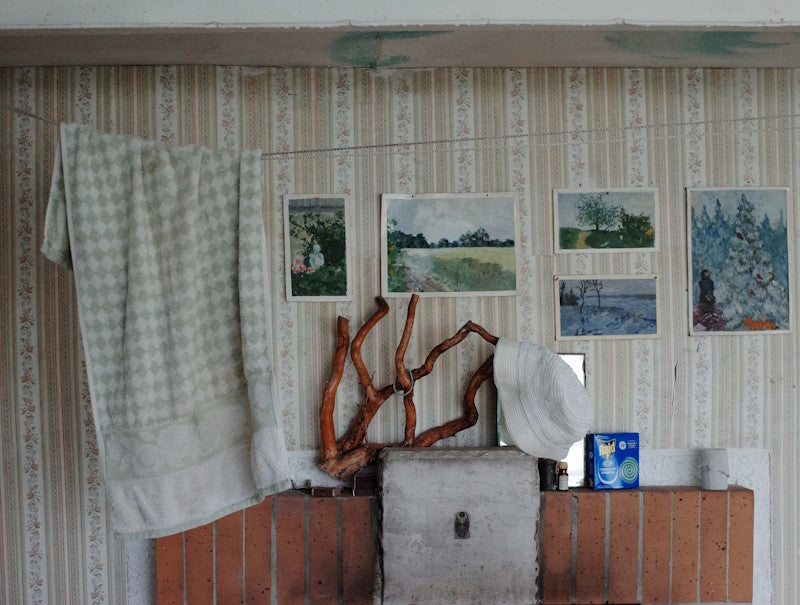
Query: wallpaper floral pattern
(363, 133)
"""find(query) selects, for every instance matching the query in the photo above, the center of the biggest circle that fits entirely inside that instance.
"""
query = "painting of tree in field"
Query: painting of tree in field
(605, 220)
(739, 260)
(316, 236)
(606, 307)
(448, 244)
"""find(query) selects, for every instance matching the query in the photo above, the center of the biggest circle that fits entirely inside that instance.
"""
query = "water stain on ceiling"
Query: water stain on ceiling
(687, 44)
(366, 49)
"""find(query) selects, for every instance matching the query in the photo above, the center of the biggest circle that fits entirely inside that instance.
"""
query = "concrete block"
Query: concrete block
(428, 496)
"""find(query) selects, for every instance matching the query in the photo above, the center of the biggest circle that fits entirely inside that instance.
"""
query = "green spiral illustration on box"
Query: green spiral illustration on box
(629, 470)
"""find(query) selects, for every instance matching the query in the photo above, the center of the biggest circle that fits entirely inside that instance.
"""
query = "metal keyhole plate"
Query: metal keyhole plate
(461, 525)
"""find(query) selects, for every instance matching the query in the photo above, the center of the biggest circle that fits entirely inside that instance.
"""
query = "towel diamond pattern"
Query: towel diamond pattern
(167, 248)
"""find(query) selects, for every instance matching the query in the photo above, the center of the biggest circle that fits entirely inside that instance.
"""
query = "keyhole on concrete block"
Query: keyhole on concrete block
(461, 525)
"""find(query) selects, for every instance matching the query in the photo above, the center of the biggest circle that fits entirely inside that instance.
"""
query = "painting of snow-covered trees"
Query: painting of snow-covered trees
(739, 260)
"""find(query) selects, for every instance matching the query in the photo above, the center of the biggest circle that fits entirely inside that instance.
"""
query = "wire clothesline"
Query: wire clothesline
(506, 141)
(28, 114)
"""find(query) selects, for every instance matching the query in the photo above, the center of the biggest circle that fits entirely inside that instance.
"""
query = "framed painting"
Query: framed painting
(317, 234)
(605, 220)
(606, 306)
(441, 244)
(740, 260)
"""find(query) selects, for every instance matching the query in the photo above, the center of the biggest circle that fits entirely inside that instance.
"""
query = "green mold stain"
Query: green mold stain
(673, 45)
(362, 49)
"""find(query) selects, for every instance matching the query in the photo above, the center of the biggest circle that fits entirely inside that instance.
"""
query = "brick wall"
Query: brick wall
(655, 545)
(290, 545)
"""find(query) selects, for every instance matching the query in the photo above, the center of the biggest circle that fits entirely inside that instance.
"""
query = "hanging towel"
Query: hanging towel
(167, 246)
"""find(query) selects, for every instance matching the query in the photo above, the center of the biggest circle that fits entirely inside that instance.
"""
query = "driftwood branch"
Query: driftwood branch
(342, 458)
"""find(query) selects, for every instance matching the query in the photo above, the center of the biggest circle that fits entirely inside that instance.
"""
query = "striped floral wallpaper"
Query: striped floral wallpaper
(360, 133)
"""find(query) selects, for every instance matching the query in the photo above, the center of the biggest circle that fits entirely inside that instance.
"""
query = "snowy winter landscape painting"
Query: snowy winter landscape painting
(449, 244)
(606, 307)
(316, 236)
(740, 260)
(604, 220)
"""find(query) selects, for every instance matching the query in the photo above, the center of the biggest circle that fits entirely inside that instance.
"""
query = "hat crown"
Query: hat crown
(545, 406)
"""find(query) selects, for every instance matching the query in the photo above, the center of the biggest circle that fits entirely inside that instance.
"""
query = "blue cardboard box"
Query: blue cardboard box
(612, 460)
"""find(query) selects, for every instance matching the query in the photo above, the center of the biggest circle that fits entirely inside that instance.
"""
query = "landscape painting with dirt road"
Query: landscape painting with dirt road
(449, 244)
(605, 220)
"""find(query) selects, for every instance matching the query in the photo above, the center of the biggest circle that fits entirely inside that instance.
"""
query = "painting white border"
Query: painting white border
(656, 220)
(287, 260)
(640, 277)
(790, 234)
(387, 198)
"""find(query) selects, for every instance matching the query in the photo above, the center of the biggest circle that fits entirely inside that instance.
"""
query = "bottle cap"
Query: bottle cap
(562, 464)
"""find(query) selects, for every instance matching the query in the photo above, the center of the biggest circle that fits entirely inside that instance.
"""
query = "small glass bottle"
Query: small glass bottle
(563, 476)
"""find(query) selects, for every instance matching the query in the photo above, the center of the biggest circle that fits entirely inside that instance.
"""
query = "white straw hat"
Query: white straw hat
(545, 406)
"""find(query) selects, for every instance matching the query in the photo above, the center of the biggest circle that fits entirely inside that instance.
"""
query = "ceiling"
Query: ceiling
(409, 47)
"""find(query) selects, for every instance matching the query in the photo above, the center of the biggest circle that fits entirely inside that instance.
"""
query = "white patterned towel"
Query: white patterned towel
(167, 246)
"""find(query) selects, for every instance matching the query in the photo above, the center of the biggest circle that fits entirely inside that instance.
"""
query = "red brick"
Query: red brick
(557, 547)
(685, 537)
(623, 547)
(358, 550)
(200, 565)
(740, 564)
(323, 550)
(656, 530)
(169, 570)
(713, 545)
(229, 562)
(258, 552)
(290, 536)
(590, 564)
